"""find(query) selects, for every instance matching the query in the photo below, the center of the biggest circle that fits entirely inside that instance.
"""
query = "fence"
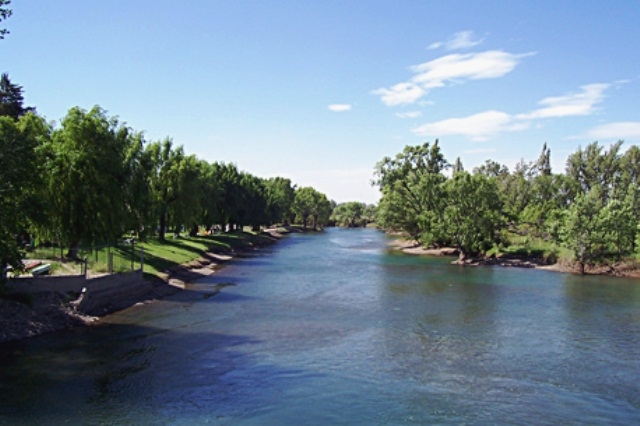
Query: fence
(110, 259)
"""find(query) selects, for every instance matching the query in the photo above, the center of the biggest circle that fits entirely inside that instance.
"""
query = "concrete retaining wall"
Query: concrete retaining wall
(113, 292)
(58, 283)
(98, 296)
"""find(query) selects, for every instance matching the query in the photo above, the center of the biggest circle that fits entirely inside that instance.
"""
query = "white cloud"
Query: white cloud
(449, 69)
(625, 130)
(401, 93)
(339, 107)
(471, 66)
(460, 40)
(477, 127)
(410, 114)
(582, 103)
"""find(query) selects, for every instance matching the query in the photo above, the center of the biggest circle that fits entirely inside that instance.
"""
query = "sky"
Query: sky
(319, 91)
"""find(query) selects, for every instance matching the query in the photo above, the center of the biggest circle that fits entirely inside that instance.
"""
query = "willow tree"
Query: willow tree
(164, 179)
(19, 182)
(85, 176)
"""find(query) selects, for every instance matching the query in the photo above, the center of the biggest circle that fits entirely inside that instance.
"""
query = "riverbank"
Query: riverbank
(24, 315)
(621, 269)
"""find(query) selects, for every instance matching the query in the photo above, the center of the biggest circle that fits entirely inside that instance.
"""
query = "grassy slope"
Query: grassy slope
(160, 256)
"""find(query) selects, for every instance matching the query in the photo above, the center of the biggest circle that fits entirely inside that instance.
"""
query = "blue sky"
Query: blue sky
(320, 91)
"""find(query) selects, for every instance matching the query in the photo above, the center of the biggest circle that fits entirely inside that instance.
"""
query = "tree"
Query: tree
(18, 181)
(350, 214)
(185, 208)
(457, 166)
(11, 99)
(411, 186)
(253, 202)
(584, 231)
(163, 179)
(473, 213)
(86, 175)
(280, 195)
(544, 161)
(4, 14)
(592, 167)
(309, 203)
(228, 178)
(304, 203)
(137, 194)
(211, 196)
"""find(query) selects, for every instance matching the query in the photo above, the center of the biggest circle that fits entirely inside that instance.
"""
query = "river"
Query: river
(333, 328)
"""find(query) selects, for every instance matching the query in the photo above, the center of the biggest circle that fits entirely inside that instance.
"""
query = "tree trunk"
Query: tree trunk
(73, 250)
(194, 231)
(163, 225)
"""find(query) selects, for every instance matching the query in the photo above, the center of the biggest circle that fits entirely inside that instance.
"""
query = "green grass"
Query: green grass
(158, 255)
(531, 247)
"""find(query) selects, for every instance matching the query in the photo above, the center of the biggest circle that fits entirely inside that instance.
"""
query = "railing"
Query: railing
(90, 261)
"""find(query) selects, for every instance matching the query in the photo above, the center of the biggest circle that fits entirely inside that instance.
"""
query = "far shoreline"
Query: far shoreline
(622, 269)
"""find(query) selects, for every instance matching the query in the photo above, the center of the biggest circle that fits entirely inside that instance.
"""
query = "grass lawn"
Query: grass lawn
(158, 255)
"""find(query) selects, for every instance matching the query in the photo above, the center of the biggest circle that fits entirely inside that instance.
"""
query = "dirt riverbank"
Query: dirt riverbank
(620, 269)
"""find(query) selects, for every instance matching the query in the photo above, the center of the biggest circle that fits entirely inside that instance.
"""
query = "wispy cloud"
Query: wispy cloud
(478, 127)
(401, 93)
(460, 40)
(447, 70)
(410, 114)
(481, 126)
(581, 103)
(625, 130)
(339, 107)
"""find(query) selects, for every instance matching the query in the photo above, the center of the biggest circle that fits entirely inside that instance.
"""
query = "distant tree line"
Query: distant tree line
(91, 179)
(593, 209)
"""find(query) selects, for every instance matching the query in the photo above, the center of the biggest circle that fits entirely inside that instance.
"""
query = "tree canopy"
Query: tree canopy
(11, 99)
(593, 209)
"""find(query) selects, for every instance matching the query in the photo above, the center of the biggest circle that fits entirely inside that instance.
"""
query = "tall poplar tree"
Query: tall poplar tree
(11, 99)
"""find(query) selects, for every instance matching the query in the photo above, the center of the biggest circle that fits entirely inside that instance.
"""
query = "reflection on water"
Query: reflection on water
(334, 329)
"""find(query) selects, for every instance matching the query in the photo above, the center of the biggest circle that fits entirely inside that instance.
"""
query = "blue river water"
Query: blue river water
(333, 328)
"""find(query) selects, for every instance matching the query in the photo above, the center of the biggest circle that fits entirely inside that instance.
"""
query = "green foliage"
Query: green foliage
(11, 98)
(85, 172)
(351, 214)
(593, 210)
(280, 194)
(309, 203)
(19, 182)
(472, 216)
(4, 14)
(412, 193)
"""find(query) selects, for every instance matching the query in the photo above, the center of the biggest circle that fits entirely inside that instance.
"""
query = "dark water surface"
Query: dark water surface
(333, 329)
